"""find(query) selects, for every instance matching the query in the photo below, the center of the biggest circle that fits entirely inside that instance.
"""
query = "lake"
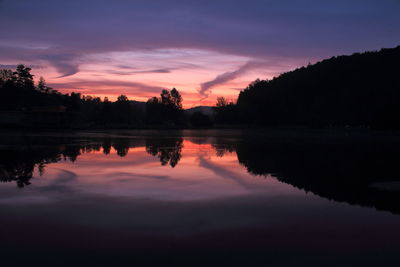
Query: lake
(200, 198)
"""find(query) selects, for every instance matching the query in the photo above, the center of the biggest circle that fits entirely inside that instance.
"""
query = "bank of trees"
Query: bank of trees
(18, 91)
(357, 90)
(41, 106)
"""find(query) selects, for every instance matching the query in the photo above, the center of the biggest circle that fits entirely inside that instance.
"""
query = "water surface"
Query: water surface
(218, 198)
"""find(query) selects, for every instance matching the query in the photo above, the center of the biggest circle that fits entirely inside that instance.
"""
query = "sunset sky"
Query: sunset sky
(203, 48)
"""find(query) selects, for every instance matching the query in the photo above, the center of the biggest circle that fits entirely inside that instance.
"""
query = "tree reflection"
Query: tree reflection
(169, 150)
(20, 173)
(18, 162)
(18, 165)
(23, 156)
(224, 146)
(107, 143)
(340, 169)
(121, 146)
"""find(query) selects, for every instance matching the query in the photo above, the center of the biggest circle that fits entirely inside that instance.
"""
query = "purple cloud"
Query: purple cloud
(228, 76)
(62, 32)
(65, 63)
(118, 72)
(98, 86)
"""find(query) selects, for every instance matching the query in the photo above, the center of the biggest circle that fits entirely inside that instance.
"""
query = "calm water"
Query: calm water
(203, 198)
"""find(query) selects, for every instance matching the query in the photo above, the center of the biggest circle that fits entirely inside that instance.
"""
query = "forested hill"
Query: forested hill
(358, 90)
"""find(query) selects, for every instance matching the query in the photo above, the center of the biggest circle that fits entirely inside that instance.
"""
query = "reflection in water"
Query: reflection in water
(218, 199)
(121, 146)
(20, 173)
(337, 169)
(341, 169)
(167, 149)
(18, 164)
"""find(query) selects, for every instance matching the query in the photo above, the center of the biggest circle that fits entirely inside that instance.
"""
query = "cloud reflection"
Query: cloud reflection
(137, 168)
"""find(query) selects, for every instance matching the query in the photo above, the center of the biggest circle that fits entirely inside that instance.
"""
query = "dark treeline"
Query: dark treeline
(361, 90)
(23, 103)
(26, 104)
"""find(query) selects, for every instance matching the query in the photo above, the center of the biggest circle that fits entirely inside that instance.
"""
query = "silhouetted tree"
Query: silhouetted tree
(176, 99)
(122, 98)
(24, 78)
(221, 102)
(42, 86)
(166, 109)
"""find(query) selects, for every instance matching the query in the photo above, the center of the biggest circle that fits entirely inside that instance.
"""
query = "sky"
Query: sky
(203, 48)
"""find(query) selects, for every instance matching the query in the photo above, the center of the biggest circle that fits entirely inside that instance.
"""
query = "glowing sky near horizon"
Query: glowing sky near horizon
(204, 48)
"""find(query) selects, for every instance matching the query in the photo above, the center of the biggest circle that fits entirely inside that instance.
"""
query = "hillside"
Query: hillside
(362, 89)
(206, 110)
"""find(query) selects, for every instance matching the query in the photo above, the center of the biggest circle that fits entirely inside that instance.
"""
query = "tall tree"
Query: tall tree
(166, 109)
(42, 86)
(24, 78)
(176, 99)
(122, 98)
(166, 98)
(221, 102)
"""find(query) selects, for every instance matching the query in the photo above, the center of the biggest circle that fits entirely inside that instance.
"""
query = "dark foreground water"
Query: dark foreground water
(199, 198)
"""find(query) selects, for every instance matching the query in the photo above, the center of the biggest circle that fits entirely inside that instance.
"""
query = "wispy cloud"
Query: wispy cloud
(119, 72)
(228, 76)
(100, 86)
(65, 63)
(62, 183)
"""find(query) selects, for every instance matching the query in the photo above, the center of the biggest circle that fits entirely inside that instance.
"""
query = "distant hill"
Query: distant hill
(362, 89)
(206, 110)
